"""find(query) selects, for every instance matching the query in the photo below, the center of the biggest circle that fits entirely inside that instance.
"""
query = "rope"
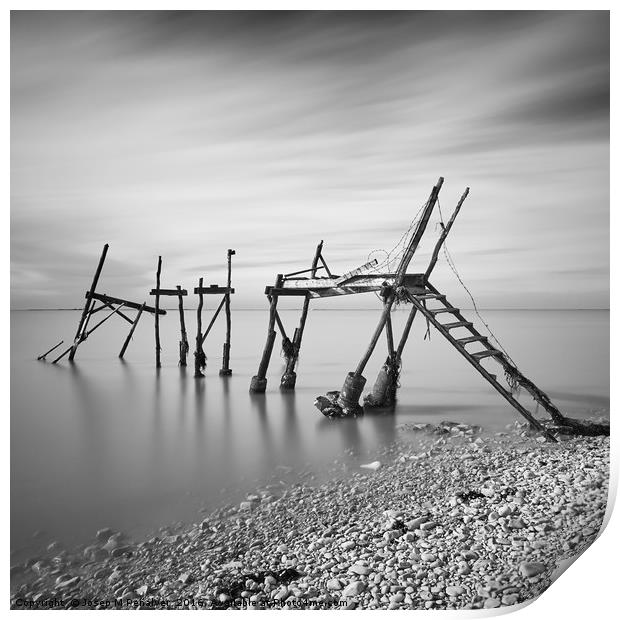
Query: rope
(511, 378)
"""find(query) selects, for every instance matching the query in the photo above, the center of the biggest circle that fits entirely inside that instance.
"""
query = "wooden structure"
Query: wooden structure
(200, 358)
(393, 287)
(115, 304)
(179, 293)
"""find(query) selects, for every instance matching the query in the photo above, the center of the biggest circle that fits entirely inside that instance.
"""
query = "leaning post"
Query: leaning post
(348, 398)
(384, 391)
(289, 378)
(132, 330)
(259, 380)
(88, 304)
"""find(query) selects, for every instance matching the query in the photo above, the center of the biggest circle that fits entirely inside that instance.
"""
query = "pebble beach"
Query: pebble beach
(447, 517)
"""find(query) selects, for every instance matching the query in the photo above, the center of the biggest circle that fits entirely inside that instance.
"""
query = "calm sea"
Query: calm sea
(105, 442)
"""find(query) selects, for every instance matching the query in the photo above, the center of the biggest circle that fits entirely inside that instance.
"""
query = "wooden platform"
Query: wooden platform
(335, 285)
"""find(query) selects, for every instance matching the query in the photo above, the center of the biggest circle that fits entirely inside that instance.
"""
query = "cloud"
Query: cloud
(185, 133)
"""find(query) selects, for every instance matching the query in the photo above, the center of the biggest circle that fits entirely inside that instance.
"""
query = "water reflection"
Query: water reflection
(122, 444)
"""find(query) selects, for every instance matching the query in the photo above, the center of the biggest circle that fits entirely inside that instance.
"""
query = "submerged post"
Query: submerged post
(200, 359)
(157, 343)
(183, 344)
(259, 380)
(349, 396)
(88, 303)
(291, 351)
(132, 330)
(225, 370)
(384, 391)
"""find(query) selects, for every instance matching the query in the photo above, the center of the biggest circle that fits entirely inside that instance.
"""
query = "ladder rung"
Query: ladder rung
(441, 310)
(457, 324)
(472, 339)
(430, 296)
(482, 354)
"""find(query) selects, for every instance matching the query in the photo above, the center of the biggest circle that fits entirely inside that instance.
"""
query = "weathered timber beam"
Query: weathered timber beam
(87, 306)
(377, 280)
(131, 331)
(296, 273)
(281, 327)
(157, 342)
(358, 271)
(111, 307)
(334, 291)
(128, 304)
(42, 357)
(419, 232)
(444, 234)
(211, 323)
(214, 289)
(225, 370)
(170, 292)
(329, 273)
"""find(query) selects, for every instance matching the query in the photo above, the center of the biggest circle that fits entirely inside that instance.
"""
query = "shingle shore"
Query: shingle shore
(456, 519)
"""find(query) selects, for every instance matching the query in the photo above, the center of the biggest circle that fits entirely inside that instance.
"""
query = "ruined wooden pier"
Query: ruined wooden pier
(395, 287)
(115, 304)
(200, 358)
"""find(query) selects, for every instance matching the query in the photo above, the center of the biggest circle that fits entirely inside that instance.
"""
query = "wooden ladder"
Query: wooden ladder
(475, 358)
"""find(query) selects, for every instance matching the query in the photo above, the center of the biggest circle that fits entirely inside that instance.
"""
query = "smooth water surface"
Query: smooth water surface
(105, 442)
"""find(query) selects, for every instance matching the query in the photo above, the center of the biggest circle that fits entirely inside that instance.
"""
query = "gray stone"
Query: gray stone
(531, 569)
(358, 569)
(355, 588)
(334, 584)
(454, 590)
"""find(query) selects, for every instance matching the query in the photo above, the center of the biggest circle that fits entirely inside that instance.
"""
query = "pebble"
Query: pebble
(355, 588)
(531, 569)
(374, 466)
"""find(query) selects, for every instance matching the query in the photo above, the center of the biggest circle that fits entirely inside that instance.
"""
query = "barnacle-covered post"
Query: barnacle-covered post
(259, 380)
(354, 383)
(384, 390)
(291, 349)
(200, 359)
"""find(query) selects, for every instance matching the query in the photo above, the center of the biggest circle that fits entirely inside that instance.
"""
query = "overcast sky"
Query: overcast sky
(184, 134)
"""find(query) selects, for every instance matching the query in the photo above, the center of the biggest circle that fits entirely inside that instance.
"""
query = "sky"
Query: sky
(183, 134)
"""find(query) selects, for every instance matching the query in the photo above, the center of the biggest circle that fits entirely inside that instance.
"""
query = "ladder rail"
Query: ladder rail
(535, 392)
(483, 371)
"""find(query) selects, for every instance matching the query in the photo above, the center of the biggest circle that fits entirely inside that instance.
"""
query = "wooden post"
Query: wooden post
(183, 344)
(200, 359)
(384, 390)
(131, 331)
(88, 303)
(354, 382)
(289, 378)
(259, 380)
(444, 234)
(157, 343)
(225, 370)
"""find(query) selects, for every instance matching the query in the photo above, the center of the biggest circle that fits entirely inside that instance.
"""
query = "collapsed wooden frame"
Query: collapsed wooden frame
(116, 304)
(392, 287)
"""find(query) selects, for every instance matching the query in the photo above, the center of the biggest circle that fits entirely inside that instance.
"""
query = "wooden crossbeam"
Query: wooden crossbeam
(170, 292)
(214, 289)
(111, 307)
(124, 302)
